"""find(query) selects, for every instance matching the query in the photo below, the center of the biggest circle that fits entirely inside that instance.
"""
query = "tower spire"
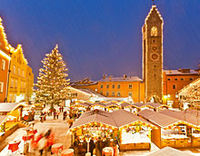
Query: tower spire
(153, 2)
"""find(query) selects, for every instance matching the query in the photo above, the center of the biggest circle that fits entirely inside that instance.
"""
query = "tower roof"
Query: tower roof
(153, 8)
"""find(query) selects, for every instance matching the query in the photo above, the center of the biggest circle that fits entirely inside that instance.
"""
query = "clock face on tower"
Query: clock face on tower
(154, 56)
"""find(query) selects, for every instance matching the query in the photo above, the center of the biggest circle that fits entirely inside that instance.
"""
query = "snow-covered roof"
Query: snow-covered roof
(116, 119)
(192, 87)
(158, 119)
(122, 78)
(181, 72)
(91, 92)
(7, 107)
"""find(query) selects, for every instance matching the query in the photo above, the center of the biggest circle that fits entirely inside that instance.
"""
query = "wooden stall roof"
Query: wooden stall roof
(116, 119)
(123, 118)
(94, 116)
(125, 104)
(154, 105)
(158, 119)
(7, 107)
(189, 117)
(98, 104)
(169, 151)
(111, 104)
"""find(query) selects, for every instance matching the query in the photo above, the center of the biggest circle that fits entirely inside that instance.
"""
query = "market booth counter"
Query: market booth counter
(195, 137)
(133, 140)
(107, 129)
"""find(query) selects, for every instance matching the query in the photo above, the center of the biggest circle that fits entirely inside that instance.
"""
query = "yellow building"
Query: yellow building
(20, 77)
(125, 86)
(29, 82)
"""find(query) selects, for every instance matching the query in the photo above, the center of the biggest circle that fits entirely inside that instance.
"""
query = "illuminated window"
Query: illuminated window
(154, 31)
(12, 83)
(113, 93)
(3, 64)
(118, 94)
(130, 86)
(1, 87)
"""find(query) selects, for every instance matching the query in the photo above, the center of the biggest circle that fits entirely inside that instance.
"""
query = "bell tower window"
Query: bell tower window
(154, 31)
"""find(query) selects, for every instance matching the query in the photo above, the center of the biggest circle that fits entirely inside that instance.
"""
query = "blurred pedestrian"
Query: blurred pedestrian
(42, 145)
(64, 115)
(54, 115)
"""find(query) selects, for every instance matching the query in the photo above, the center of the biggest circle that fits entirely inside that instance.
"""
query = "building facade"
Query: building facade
(4, 63)
(174, 81)
(152, 33)
(124, 86)
(20, 77)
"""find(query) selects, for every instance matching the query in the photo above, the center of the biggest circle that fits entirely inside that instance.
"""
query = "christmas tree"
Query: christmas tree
(52, 83)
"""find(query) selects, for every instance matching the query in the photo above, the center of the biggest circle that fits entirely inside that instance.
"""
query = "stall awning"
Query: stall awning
(7, 107)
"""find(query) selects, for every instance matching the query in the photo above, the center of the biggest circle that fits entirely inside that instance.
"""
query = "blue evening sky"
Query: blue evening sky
(101, 36)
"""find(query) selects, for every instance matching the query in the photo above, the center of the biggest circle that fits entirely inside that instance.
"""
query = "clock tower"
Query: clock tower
(152, 32)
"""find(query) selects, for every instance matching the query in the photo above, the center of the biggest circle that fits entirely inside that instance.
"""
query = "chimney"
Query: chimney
(124, 76)
(184, 70)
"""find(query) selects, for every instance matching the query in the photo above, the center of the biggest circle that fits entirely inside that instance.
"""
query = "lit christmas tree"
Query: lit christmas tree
(52, 84)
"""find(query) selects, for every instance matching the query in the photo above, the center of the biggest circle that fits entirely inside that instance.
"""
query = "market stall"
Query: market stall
(98, 105)
(96, 125)
(171, 132)
(107, 129)
(135, 132)
(191, 120)
(149, 106)
(128, 107)
(112, 106)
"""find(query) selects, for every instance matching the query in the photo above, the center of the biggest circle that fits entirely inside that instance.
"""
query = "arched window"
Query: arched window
(154, 31)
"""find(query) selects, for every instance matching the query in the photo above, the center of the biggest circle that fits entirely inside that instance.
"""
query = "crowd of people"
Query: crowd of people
(54, 113)
(95, 146)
